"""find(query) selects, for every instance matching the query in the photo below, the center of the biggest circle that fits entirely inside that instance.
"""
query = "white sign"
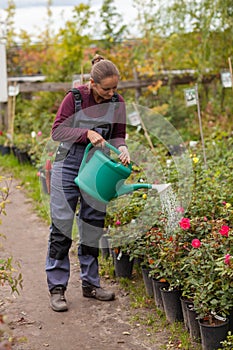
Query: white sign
(76, 83)
(13, 90)
(226, 79)
(3, 74)
(134, 119)
(190, 97)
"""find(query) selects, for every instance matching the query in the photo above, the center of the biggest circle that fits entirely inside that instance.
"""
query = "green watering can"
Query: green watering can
(103, 178)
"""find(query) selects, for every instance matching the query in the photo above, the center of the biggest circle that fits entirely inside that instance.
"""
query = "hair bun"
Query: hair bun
(96, 59)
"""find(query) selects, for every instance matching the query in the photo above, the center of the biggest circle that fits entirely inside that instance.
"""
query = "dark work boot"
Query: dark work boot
(90, 291)
(57, 299)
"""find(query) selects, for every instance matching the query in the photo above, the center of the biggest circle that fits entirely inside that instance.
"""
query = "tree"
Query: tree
(69, 44)
(210, 25)
(113, 30)
(10, 31)
(12, 55)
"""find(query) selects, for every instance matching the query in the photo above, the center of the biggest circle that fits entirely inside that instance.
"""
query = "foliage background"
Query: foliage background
(179, 35)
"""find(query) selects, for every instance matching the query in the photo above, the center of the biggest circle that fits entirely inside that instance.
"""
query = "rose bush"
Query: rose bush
(208, 272)
(197, 256)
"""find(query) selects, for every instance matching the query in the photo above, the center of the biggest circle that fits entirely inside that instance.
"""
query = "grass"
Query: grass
(27, 178)
(144, 310)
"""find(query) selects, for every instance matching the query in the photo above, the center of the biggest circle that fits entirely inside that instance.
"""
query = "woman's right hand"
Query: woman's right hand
(95, 138)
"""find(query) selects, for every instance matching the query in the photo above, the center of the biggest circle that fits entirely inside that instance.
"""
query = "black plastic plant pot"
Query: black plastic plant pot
(123, 265)
(157, 284)
(147, 281)
(193, 324)
(213, 334)
(172, 304)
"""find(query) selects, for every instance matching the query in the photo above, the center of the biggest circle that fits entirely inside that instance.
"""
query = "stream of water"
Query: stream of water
(170, 207)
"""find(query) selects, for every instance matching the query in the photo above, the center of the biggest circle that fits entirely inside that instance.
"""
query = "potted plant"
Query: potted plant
(42, 155)
(144, 248)
(120, 218)
(5, 143)
(173, 252)
(22, 146)
(211, 282)
(2, 138)
(227, 344)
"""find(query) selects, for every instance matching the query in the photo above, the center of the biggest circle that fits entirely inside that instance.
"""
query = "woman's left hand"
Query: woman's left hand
(124, 155)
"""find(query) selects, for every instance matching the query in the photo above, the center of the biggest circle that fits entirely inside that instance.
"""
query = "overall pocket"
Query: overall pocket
(61, 153)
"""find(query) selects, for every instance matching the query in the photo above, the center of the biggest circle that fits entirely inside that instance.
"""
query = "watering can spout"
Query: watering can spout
(160, 187)
(128, 188)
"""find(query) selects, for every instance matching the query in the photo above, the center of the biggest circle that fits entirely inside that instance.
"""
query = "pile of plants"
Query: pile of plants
(197, 255)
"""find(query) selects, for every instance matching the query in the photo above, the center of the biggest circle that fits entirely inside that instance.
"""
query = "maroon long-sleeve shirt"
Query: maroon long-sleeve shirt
(62, 129)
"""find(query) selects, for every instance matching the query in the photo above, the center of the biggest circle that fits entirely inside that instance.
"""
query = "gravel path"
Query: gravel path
(88, 324)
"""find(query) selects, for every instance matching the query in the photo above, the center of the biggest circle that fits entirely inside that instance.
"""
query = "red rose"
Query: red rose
(184, 223)
(224, 230)
(196, 243)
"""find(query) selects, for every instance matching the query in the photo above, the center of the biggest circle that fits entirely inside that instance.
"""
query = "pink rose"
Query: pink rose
(196, 243)
(180, 210)
(39, 133)
(184, 223)
(227, 259)
(224, 230)
(117, 222)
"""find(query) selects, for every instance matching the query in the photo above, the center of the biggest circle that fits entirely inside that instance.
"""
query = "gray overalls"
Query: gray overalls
(65, 195)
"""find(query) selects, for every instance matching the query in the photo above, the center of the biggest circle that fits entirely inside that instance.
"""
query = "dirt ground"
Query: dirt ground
(88, 324)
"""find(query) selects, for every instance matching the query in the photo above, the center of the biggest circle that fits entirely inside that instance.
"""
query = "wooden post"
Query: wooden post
(200, 125)
(3, 86)
(12, 128)
(13, 92)
(230, 67)
(9, 114)
(144, 129)
(138, 89)
(3, 115)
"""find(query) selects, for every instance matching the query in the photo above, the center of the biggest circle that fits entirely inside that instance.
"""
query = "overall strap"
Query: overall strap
(115, 100)
(77, 98)
(115, 97)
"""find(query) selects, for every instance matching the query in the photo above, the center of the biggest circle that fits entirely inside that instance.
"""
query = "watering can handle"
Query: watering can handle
(87, 149)
(112, 148)
(89, 146)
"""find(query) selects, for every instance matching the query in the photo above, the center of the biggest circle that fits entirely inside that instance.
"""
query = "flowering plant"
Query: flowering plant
(4, 139)
(22, 142)
(42, 149)
(125, 213)
(171, 251)
(197, 255)
(208, 269)
(147, 247)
